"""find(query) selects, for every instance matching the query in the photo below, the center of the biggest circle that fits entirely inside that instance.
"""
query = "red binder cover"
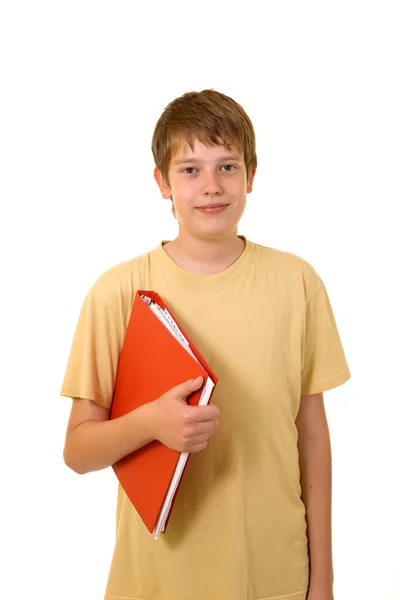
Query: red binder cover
(152, 361)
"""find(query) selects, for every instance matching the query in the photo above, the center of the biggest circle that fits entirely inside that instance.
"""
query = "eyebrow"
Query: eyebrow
(185, 161)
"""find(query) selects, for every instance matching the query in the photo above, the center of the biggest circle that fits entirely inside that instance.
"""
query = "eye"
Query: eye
(232, 168)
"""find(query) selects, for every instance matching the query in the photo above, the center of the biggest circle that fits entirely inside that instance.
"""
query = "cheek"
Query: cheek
(183, 188)
(185, 199)
(183, 205)
(237, 188)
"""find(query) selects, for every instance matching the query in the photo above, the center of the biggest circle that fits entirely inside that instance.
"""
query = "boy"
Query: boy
(252, 520)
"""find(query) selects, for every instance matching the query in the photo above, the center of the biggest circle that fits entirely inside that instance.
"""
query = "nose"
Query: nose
(210, 185)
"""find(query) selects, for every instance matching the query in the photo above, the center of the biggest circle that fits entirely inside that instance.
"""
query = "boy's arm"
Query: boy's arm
(94, 442)
(316, 483)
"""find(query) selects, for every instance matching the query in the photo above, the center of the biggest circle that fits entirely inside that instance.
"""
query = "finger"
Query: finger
(198, 447)
(201, 438)
(187, 387)
(205, 427)
(206, 413)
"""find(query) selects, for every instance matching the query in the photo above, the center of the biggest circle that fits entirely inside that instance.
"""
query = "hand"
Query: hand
(179, 425)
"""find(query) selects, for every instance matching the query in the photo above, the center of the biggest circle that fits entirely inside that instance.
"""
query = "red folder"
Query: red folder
(152, 361)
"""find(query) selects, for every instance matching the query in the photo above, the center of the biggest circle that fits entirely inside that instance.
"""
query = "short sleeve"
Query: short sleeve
(324, 364)
(94, 355)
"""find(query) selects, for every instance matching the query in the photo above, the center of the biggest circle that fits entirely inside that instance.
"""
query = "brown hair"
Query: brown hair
(209, 116)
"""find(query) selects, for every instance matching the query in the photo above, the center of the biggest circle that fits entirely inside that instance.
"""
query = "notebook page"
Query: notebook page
(166, 318)
(209, 385)
(170, 324)
(174, 326)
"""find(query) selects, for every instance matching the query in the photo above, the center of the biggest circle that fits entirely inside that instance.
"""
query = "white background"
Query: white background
(82, 86)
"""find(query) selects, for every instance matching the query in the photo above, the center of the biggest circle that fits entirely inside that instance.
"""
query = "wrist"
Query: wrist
(322, 584)
(145, 421)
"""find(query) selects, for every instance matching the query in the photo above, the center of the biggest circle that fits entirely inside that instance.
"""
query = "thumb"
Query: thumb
(196, 383)
(187, 387)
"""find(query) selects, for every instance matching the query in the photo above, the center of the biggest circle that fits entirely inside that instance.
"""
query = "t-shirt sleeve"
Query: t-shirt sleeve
(94, 355)
(324, 364)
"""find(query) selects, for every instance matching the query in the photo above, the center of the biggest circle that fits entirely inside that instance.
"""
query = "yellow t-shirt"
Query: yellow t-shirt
(265, 325)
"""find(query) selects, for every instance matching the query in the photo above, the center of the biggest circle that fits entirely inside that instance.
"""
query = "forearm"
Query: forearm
(95, 445)
(316, 483)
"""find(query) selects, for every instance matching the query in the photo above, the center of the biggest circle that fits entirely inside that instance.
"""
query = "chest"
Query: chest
(252, 338)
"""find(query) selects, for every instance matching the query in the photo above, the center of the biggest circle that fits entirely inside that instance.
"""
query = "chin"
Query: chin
(216, 232)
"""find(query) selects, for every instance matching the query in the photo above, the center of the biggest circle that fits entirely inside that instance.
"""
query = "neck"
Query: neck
(204, 256)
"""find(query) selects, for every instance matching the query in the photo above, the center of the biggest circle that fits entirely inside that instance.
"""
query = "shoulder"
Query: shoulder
(291, 268)
(117, 285)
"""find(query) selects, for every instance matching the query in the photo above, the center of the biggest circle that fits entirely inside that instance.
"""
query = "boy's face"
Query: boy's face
(208, 187)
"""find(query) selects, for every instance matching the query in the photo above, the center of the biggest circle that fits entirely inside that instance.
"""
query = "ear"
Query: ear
(250, 181)
(164, 189)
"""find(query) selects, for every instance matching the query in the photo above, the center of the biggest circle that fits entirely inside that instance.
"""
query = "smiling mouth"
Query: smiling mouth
(210, 206)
